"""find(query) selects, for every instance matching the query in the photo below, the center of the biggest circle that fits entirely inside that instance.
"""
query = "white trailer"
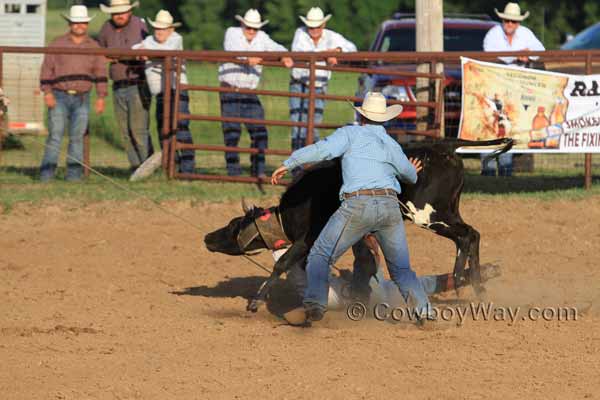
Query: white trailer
(23, 23)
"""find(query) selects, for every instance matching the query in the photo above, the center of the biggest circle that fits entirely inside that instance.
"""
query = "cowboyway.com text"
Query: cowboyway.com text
(357, 311)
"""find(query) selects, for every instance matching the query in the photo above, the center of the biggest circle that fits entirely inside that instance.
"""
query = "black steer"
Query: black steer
(307, 204)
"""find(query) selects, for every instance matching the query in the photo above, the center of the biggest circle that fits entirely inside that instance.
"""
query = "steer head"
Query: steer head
(237, 238)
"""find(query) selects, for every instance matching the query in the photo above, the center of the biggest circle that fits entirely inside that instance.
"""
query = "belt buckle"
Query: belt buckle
(72, 92)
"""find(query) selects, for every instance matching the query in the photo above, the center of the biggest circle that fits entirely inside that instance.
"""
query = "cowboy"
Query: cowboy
(247, 37)
(131, 97)
(371, 161)
(313, 37)
(66, 81)
(165, 38)
(510, 36)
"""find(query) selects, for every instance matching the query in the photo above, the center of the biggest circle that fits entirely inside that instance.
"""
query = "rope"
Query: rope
(139, 195)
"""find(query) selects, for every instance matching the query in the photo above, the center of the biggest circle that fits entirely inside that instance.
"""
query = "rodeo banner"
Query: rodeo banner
(543, 111)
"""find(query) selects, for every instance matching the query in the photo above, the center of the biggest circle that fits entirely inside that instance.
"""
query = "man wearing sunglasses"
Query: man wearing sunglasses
(510, 36)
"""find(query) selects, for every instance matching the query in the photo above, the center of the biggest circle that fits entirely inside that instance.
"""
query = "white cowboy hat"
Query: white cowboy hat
(77, 15)
(252, 19)
(118, 6)
(315, 18)
(374, 108)
(512, 12)
(164, 20)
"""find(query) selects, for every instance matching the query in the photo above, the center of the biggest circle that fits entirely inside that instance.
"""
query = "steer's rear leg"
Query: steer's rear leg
(466, 239)
(459, 233)
(475, 266)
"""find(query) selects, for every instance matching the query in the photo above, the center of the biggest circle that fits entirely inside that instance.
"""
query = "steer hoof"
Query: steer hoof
(253, 305)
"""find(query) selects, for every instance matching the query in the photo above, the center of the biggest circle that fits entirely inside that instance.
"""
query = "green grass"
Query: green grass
(550, 185)
(19, 168)
(96, 189)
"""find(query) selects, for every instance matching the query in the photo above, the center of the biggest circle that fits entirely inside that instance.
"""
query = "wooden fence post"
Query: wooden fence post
(310, 136)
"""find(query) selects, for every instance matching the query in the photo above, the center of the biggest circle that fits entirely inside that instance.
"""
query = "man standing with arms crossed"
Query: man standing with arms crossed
(371, 163)
(131, 96)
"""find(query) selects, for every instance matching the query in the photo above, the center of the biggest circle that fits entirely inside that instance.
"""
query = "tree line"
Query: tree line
(205, 21)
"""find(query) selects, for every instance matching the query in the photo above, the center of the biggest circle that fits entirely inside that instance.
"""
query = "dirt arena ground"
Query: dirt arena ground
(120, 301)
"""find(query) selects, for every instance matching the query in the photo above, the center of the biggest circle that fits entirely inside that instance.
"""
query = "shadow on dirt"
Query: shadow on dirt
(282, 297)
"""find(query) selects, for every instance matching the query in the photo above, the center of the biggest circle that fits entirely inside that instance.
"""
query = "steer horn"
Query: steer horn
(245, 207)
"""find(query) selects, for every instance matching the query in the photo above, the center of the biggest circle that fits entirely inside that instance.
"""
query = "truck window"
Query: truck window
(12, 8)
(455, 39)
(32, 8)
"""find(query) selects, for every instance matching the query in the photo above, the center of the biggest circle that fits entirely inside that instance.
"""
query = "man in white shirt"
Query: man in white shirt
(247, 37)
(510, 36)
(165, 38)
(313, 37)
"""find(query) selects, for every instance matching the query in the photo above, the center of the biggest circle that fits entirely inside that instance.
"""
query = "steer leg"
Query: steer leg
(297, 252)
(474, 265)
(462, 255)
(459, 234)
(261, 296)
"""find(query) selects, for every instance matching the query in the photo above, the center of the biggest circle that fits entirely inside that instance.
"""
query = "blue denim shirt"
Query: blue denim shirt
(371, 159)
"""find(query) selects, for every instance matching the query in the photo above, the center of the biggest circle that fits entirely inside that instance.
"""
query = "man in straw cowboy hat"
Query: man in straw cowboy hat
(131, 98)
(66, 80)
(372, 162)
(247, 37)
(165, 38)
(313, 37)
(509, 36)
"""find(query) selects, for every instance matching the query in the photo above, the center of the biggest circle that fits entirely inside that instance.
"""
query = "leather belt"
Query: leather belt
(371, 192)
(125, 83)
(71, 92)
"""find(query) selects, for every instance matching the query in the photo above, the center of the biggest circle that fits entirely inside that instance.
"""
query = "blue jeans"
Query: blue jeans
(299, 112)
(244, 106)
(185, 158)
(72, 110)
(132, 105)
(505, 168)
(355, 218)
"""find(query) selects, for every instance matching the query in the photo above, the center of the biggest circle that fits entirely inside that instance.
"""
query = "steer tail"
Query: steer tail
(506, 142)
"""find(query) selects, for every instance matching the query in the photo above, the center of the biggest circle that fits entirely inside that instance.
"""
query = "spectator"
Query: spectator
(510, 36)
(66, 81)
(247, 37)
(131, 97)
(165, 38)
(313, 37)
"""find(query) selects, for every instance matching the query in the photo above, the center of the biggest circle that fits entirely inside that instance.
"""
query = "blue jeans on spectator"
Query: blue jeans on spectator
(299, 112)
(132, 105)
(355, 218)
(244, 106)
(505, 168)
(185, 158)
(72, 110)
